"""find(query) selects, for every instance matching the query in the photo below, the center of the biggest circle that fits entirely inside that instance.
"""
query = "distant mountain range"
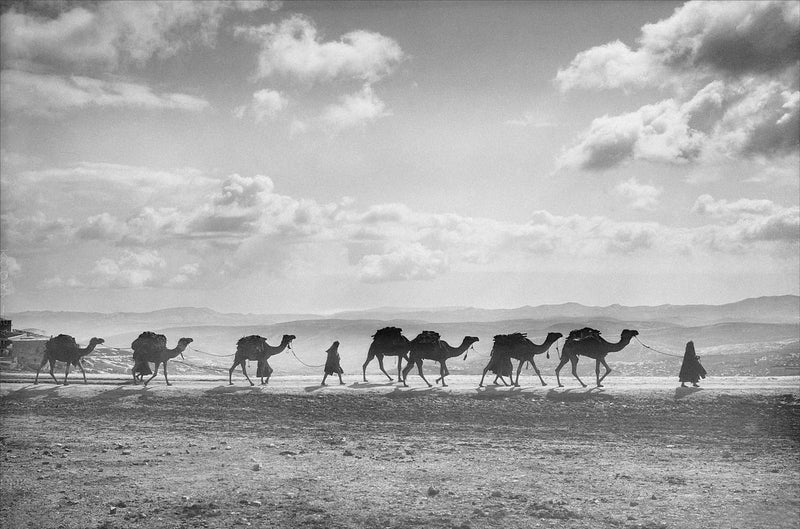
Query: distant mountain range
(772, 310)
(753, 336)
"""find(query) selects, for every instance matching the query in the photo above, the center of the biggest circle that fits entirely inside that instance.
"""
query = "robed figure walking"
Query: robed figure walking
(691, 368)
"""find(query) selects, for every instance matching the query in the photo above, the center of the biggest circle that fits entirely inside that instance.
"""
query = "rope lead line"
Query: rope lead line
(656, 350)
(298, 359)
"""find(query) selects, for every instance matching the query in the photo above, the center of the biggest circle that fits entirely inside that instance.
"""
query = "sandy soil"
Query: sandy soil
(640, 453)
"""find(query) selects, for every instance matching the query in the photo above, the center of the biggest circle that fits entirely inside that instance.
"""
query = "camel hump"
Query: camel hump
(427, 337)
(62, 341)
(506, 340)
(253, 340)
(583, 334)
(388, 333)
(149, 341)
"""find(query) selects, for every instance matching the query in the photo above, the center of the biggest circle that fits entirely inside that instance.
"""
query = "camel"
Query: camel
(588, 342)
(518, 347)
(428, 346)
(149, 348)
(388, 341)
(64, 348)
(256, 348)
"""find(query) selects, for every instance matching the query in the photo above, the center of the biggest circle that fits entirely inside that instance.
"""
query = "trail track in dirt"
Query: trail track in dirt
(640, 453)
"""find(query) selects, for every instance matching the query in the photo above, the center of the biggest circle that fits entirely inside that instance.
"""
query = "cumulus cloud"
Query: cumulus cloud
(747, 220)
(742, 119)
(294, 48)
(733, 68)
(354, 110)
(731, 38)
(402, 263)
(107, 35)
(265, 105)
(641, 196)
(49, 95)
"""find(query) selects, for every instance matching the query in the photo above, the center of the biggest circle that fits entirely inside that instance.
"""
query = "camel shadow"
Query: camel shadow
(577, 394)
(31, 391)
(121, 392)
(367, 385)
(232, 390)
(402, 392)
(311, 389)
(681, 392)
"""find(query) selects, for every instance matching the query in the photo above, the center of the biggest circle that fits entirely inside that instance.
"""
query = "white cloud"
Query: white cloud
(732, 38)
(354, 110)
(108, 35)
(403, 263)
(265, 105)
(294, 48)
(48, 95)
(745, 221)
(733, 68)
(641, 196)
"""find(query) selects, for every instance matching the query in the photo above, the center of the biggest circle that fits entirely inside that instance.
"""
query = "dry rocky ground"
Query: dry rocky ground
(371, 455)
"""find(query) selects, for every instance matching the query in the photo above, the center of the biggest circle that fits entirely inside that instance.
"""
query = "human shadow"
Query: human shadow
(311, 389)
(681, 392)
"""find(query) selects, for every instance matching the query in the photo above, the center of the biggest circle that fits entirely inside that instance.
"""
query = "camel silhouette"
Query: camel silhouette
(588, 342)
(64, 348)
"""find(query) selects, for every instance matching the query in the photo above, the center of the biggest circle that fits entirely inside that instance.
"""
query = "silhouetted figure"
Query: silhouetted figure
(332, 363)
(691, 369)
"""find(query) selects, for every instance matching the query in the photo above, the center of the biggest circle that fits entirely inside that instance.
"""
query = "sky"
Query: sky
(273, 157)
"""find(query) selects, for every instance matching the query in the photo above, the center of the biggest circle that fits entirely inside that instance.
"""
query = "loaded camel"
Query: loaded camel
(256, 348)
(588, 342)
(64, 348)
(388, 341)
(149, 348)
(518, 347)
(428, 346)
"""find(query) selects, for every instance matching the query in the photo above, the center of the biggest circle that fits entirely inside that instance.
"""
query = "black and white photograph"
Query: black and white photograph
(398, 264)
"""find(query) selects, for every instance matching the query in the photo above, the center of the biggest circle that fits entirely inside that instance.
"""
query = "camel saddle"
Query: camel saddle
(587, 333)
(149, 341)
(253, 340)
(427, 338)
(388, 333)
(62, 341)
(510, 340)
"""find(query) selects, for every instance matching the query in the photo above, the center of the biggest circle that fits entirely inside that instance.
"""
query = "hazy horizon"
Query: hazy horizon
(273, 157)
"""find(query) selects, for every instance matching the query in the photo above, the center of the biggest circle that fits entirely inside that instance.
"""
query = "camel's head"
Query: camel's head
(553, 336)
(287, 340)
(469, 340)
(629, 333)
(96, 341)
(183, 343)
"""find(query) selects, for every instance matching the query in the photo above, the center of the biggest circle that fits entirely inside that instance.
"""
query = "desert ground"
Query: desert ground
(639, 453)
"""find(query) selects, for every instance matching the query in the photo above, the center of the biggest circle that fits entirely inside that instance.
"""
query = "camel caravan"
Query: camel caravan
(151, 348)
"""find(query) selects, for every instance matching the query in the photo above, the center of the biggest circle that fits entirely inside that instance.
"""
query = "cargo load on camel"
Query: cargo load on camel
(587, 333)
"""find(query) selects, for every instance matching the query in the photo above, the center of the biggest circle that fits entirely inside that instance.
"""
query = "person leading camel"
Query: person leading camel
(333, 363)
(691, 368)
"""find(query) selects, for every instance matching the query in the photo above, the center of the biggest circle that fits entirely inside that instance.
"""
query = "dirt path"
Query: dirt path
(637, 454)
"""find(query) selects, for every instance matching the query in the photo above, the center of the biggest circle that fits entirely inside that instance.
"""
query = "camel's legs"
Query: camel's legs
(419, 368)
(501, 380)
(519, 370)
(400, 364)
(36, 379)
(323, 379)
(561, 363)
(80, 364)
(268, 370)
(380, 363)
(66, 374)
(538, 373)
(608, 370)
(155, 372)
(244, 372)
(364, 367)
(443, 371)
(165, 373)
(574, 360)
(485, 370)
(52, 367)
